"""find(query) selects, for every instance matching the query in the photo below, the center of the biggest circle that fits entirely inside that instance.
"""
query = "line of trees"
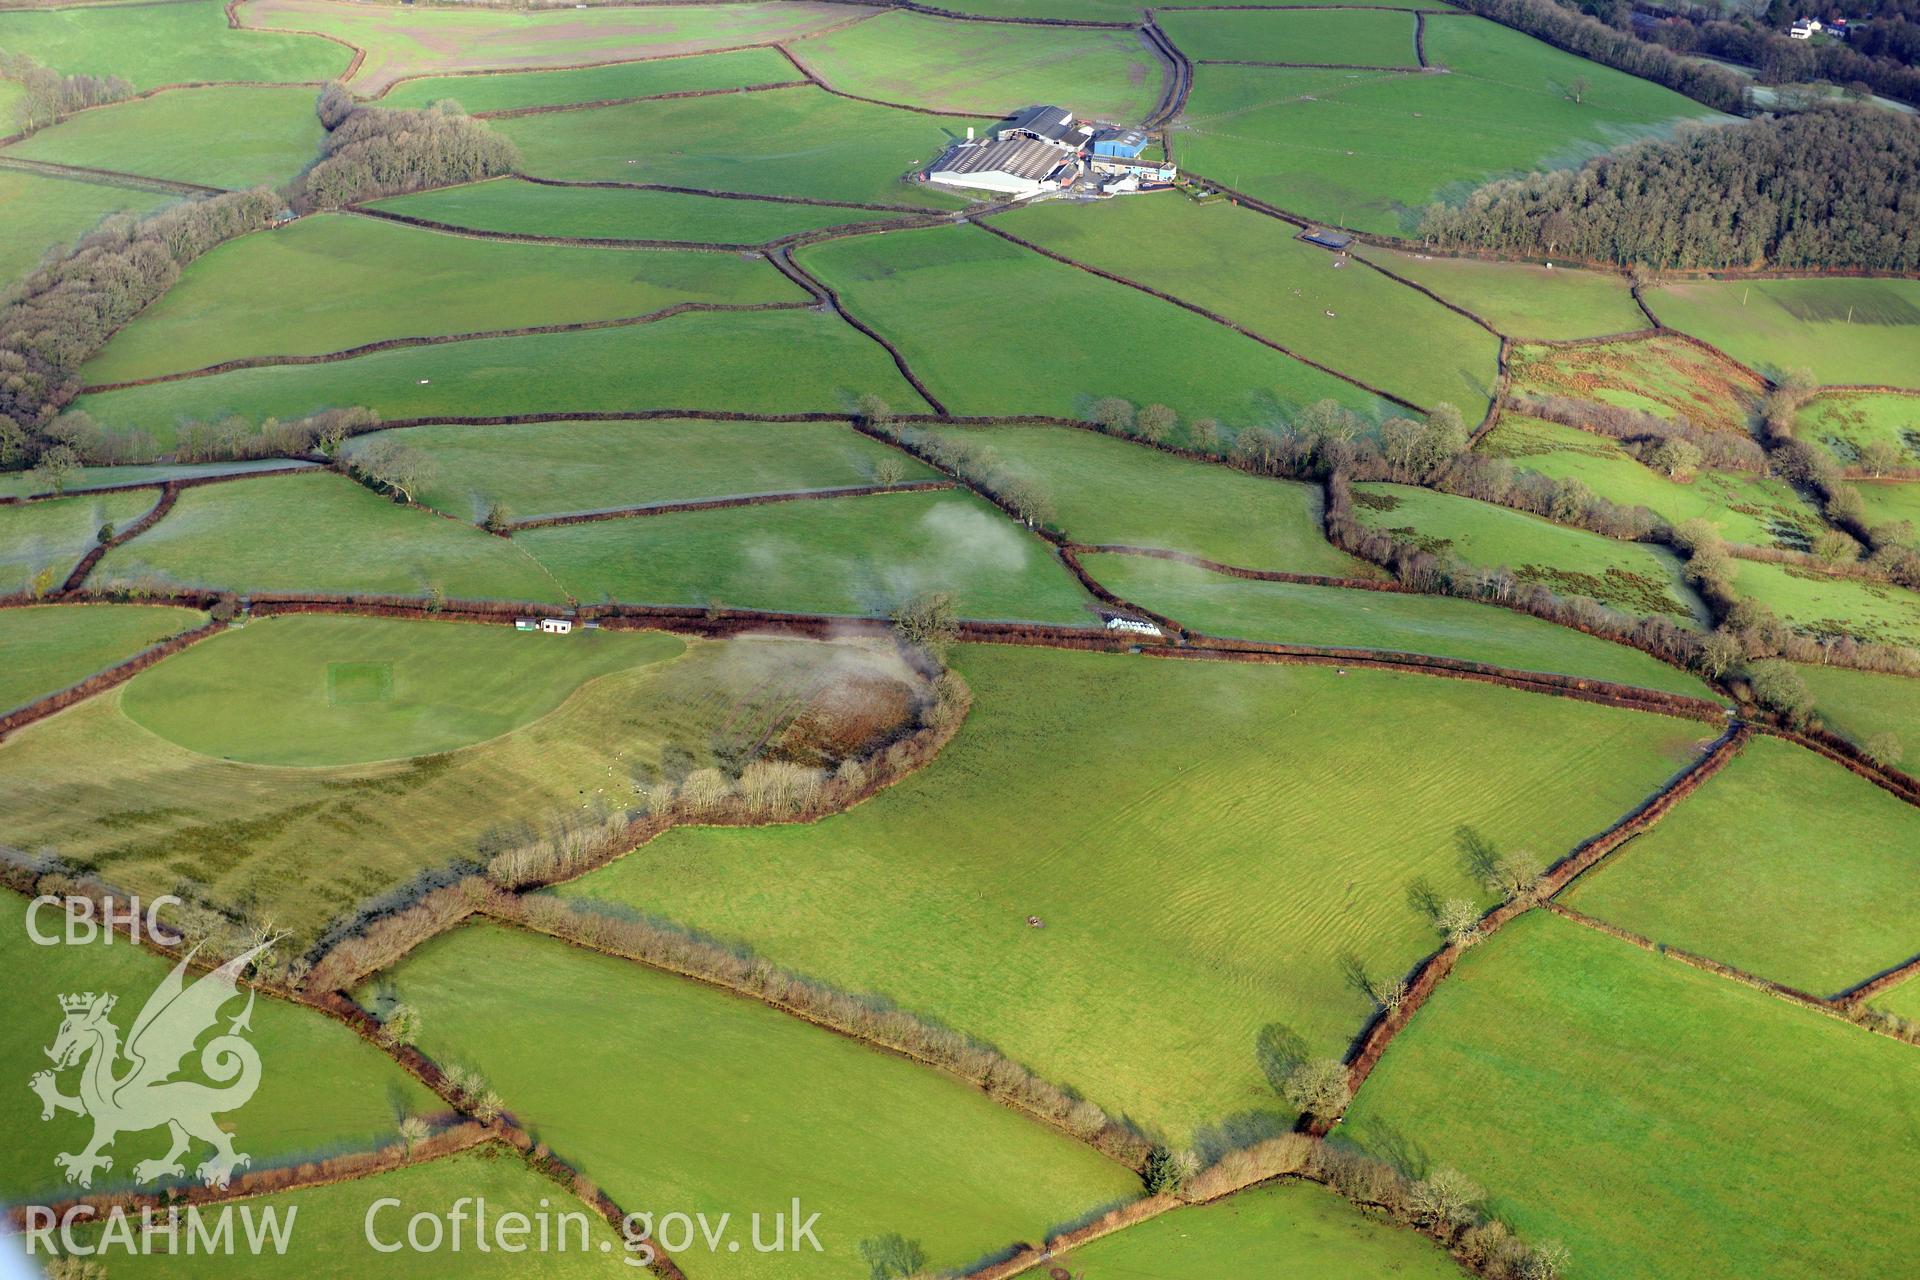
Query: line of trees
(50, 97)
(371, 152)
(1833, 187)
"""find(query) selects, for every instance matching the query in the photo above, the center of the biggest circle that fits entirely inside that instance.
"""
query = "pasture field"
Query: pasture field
(964, 307)
(1846, 423)
(320, 532)
(1863, 705)
(518, 90)
(1784, 864)
(347, 690)
(20, 484)
(1656, 1119)
(748, 1108)
(1201, 840)
(987, 69)
(1357, 37)
(1823, 606)
(1255, 271)
(96, 787)
(1113, 491)
(525, 208)
(1345, 618)
(1755, 510)
(789, 142)
(228, 136)
(50, 648)
(152, 45)
(1662, 375)
(342, 281)
(558, 468)
(1844, 331)
(1893, 503)
(1522, 299)
(1903, 1000)
(1371, 149)
(38, 213)
(413, 42)
(1111, 10)
(55, 533)
(330, 1236)
(764, 362)
(855, 556)
(322, 1090)
(1280, 1231)
(1634, 576)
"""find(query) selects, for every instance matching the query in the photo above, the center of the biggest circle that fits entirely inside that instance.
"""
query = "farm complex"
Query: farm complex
(873, 641)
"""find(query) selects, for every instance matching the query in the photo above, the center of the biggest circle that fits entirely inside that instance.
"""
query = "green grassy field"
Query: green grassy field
(1756, 510)
(1845, 331)
(342, 281)
(39, 213)
(94, 786)
(1846, 423)
(1894, 504)
(409, 42)
(508, 91)
(50, 648)
(323, 690)
(746, 1108)
(1634, 576)
(320, 532)
(54, 534)
(1661, 375)
(1862, 705)
(1112, 491)
(229, 136)
(1784, 865)
(322, 1090)
(1283, 1231)
(329, 1237)
(793, 142)
(1201, 840)
(556, 468)
(1356, 37)
(965, 307)
(1521, 299)
(1659, 1120)
(1371, 149)
(993, 70)
(766, 362)
(1821, 605)
(19, 484)
(1341, 618)
(1111, 10)
(861, 556)
(1253, 270)
(524, 208)
(1903, 999)
(176, 43)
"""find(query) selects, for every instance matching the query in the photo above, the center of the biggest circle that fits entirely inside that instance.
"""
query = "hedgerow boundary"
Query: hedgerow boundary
(722, 504)
(169, 494)
(117, 674)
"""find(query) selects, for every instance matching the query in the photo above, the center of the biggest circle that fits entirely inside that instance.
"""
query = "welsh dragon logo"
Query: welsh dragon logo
(128, 1088)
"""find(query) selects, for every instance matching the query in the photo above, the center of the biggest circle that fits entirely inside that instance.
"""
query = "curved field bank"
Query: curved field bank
(1754, 510)
(759, 362)
(1523, 299)
(1339, 617)
(1817, 860)
(1194, 916)
(402, 42)
(1844, 331)
(154, 811)
(322, 1089)
(321, 690)
(50, 648)
(1664, 375)
(1632, 576)
(150, 45)
(1642, 1111)
(40, 542)
(505, 91)
(990, 69)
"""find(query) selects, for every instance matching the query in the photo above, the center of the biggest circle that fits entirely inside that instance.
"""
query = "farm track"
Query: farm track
(722, 504)
(723, 195)
(525, 237)
(108, 177)
(182, 482)
(1176, 84)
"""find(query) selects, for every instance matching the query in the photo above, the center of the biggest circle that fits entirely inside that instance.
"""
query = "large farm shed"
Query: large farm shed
(1016, 166)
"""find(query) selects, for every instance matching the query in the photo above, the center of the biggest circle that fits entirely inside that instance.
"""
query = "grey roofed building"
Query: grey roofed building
(1048, 124)
(1327, 239)
(1017, 166)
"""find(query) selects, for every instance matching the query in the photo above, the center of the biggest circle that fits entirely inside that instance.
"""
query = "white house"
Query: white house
(1805, 29)
(556, 626)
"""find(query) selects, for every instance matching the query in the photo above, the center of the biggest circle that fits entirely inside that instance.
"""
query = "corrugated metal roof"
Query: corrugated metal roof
(1021, 157)
(1049, 122)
